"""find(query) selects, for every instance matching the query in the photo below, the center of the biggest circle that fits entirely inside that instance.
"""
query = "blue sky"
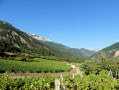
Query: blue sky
(75, 23)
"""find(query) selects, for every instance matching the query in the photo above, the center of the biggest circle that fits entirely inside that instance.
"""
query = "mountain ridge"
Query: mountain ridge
(82, 53)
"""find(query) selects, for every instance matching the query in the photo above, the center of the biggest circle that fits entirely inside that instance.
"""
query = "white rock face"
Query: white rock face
(116, 54)
(39, 37)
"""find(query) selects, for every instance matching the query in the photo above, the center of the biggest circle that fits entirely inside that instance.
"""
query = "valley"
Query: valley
(31, 62)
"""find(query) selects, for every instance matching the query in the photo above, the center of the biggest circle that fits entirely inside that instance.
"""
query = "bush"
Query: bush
(21, 59)
(11, 58)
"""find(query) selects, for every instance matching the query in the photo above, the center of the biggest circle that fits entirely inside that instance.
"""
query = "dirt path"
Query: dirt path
(78, 72)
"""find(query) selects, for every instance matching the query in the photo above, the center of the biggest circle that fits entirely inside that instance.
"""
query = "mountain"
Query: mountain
(82, 53)
(14, 40)
(21, 40)
(111, 51)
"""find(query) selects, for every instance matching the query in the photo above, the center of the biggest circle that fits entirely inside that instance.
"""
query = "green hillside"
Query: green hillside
(111, 51)
(19, 39)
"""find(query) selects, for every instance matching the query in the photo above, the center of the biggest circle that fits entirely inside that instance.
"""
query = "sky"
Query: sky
(90, 24)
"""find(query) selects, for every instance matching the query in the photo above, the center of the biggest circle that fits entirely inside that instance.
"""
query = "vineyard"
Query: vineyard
(33, 83)
(90, 82)
(101, 81)
(36, 66)
(96, 75)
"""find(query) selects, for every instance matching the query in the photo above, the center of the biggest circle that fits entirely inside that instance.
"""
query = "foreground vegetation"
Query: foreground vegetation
(35, 66)
(33, 83)
(100, 81)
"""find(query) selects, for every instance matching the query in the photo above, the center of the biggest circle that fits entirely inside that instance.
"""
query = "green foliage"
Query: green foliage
(36, 66)
(95, 66)
(22, 59)
(73, 59)
(5, 47)
(33, 83)
(91, 82)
